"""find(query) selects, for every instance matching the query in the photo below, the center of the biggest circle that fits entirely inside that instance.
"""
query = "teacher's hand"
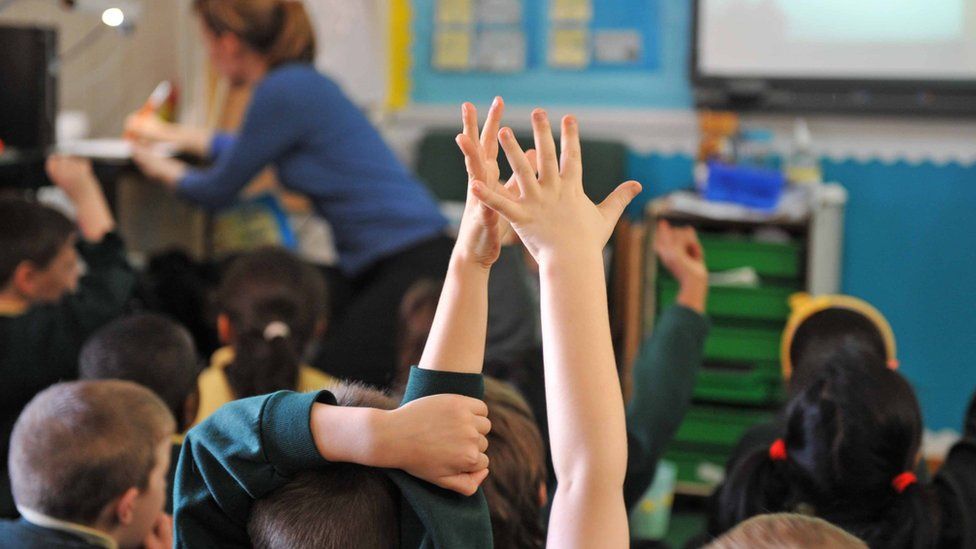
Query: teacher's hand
(148, 129)
(168, 171)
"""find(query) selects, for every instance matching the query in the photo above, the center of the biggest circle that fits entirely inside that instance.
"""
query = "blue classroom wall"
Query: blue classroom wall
(909, 236)
(662, 83)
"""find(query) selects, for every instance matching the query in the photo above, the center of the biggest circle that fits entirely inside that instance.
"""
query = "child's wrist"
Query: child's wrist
(347, 434)
(465, 264)
(693, 295)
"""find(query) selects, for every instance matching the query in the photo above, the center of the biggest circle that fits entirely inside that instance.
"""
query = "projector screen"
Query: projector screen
(913, 40)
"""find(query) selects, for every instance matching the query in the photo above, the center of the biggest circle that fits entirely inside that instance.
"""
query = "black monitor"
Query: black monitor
(853, 56)
(28, 87)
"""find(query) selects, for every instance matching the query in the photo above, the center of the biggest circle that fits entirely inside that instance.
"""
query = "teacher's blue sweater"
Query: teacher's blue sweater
(322, 146)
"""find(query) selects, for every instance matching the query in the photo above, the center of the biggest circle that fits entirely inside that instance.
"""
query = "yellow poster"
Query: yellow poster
(569, 48)
(578, 11)
(452, 50)
(454, 12)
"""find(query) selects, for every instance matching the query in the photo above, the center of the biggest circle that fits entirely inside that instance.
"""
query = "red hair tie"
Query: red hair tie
(777, 450)
(903, 481)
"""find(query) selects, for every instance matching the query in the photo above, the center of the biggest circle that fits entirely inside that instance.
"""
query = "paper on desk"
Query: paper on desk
(117, 150)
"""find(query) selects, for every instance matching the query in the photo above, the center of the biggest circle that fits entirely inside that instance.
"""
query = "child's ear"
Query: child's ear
(225, 331)
(24, 279)
(125, 508)
(543, 495)
(320, 327)
(230, 44)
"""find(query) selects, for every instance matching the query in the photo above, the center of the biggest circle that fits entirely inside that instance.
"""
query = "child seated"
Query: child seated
(88, 462)
(271, 308)
(158, 354)
(47, 309)
(787, 531)
(848, 455)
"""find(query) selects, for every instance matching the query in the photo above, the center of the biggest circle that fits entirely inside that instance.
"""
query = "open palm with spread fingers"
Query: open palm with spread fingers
(482, 233)
(549, 211)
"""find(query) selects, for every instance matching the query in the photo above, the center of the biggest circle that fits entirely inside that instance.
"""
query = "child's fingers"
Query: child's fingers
(465, 483)
(472, 156)
(524, 171)
(511, 187)
(548, 165)
(571, 162)
(489, 141)
(482, 444)
(504, 205)
(483, 425)
(469, 121)
(663, 237)
(613, 207)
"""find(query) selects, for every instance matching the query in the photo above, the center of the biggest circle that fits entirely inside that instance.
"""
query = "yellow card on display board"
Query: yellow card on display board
(452, 50)
(455, 12)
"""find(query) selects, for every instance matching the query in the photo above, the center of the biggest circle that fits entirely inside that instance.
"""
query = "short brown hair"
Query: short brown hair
(278, 29)
(787, 531)
(518, 469)
(343, 505)
(79, 445)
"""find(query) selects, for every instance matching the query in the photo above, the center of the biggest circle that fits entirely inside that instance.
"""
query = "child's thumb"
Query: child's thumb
(465, 484)
(613, 206)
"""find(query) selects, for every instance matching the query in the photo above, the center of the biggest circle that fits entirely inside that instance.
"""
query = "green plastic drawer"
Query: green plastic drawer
(762, 385)
(762, 303)
(768, 259)
(746, 344)
(718, 426)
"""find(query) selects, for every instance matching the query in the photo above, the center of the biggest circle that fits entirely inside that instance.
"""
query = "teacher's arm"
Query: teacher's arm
(275, 122)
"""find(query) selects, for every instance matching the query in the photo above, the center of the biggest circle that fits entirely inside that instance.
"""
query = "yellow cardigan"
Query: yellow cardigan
(215, 391)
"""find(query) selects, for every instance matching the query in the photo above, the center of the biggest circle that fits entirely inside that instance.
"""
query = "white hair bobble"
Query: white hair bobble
(276, 329)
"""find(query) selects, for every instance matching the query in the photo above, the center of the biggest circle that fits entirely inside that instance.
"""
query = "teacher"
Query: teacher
(388, 229)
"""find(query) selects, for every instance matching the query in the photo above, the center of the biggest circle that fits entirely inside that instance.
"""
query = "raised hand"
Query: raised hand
(551, 213)
(482, 233)
(71, 174)
(75, 177)
(681, 253)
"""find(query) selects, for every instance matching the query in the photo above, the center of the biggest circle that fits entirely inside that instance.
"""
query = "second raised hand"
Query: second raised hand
(550, 212)
(482, 232)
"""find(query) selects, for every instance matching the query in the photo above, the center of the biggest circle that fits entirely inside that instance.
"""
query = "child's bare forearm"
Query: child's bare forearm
(95, 219)
(457, 337)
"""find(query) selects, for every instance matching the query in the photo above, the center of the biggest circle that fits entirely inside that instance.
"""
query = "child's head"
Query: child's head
(416, 316)
(94, 453)
(818, 325)
(852, 438)
(787, 531)
(516, 487)
(271, 306)
(343, 505)
(150, 350)
(38, 260)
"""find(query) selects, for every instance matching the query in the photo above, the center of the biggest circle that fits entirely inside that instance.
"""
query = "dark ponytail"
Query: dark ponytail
(850, 431)
(274, 303)
(280, 30)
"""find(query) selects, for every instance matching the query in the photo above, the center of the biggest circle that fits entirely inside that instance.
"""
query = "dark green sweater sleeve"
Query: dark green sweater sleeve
(104, 290)
(244, 451)
(664, 378)
(432, 517)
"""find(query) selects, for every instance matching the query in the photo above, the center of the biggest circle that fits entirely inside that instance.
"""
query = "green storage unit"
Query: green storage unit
(698, 469)
(720, 426)
(760, 303)
(768, 259)
(756, 386)
(743, 344)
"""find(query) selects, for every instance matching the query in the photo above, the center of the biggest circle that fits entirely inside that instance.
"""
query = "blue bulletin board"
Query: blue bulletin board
(628, 53)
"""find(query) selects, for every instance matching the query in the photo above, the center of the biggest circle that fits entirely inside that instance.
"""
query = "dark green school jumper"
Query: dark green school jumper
(251, 447)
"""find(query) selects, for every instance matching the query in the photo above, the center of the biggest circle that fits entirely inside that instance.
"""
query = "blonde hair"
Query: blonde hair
(278, 29)
(787, 531)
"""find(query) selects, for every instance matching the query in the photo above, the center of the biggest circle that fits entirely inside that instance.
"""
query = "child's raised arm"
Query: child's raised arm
(457, 337)
(566, 233)
(74, 176)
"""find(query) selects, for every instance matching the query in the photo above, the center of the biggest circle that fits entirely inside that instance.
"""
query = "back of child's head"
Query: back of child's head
(30, 232)
(852, 439)
(818, 325)
(150, 350)
(78, 446)
(514, 489)
(787, 531)
(342, 505)
(274, 303)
